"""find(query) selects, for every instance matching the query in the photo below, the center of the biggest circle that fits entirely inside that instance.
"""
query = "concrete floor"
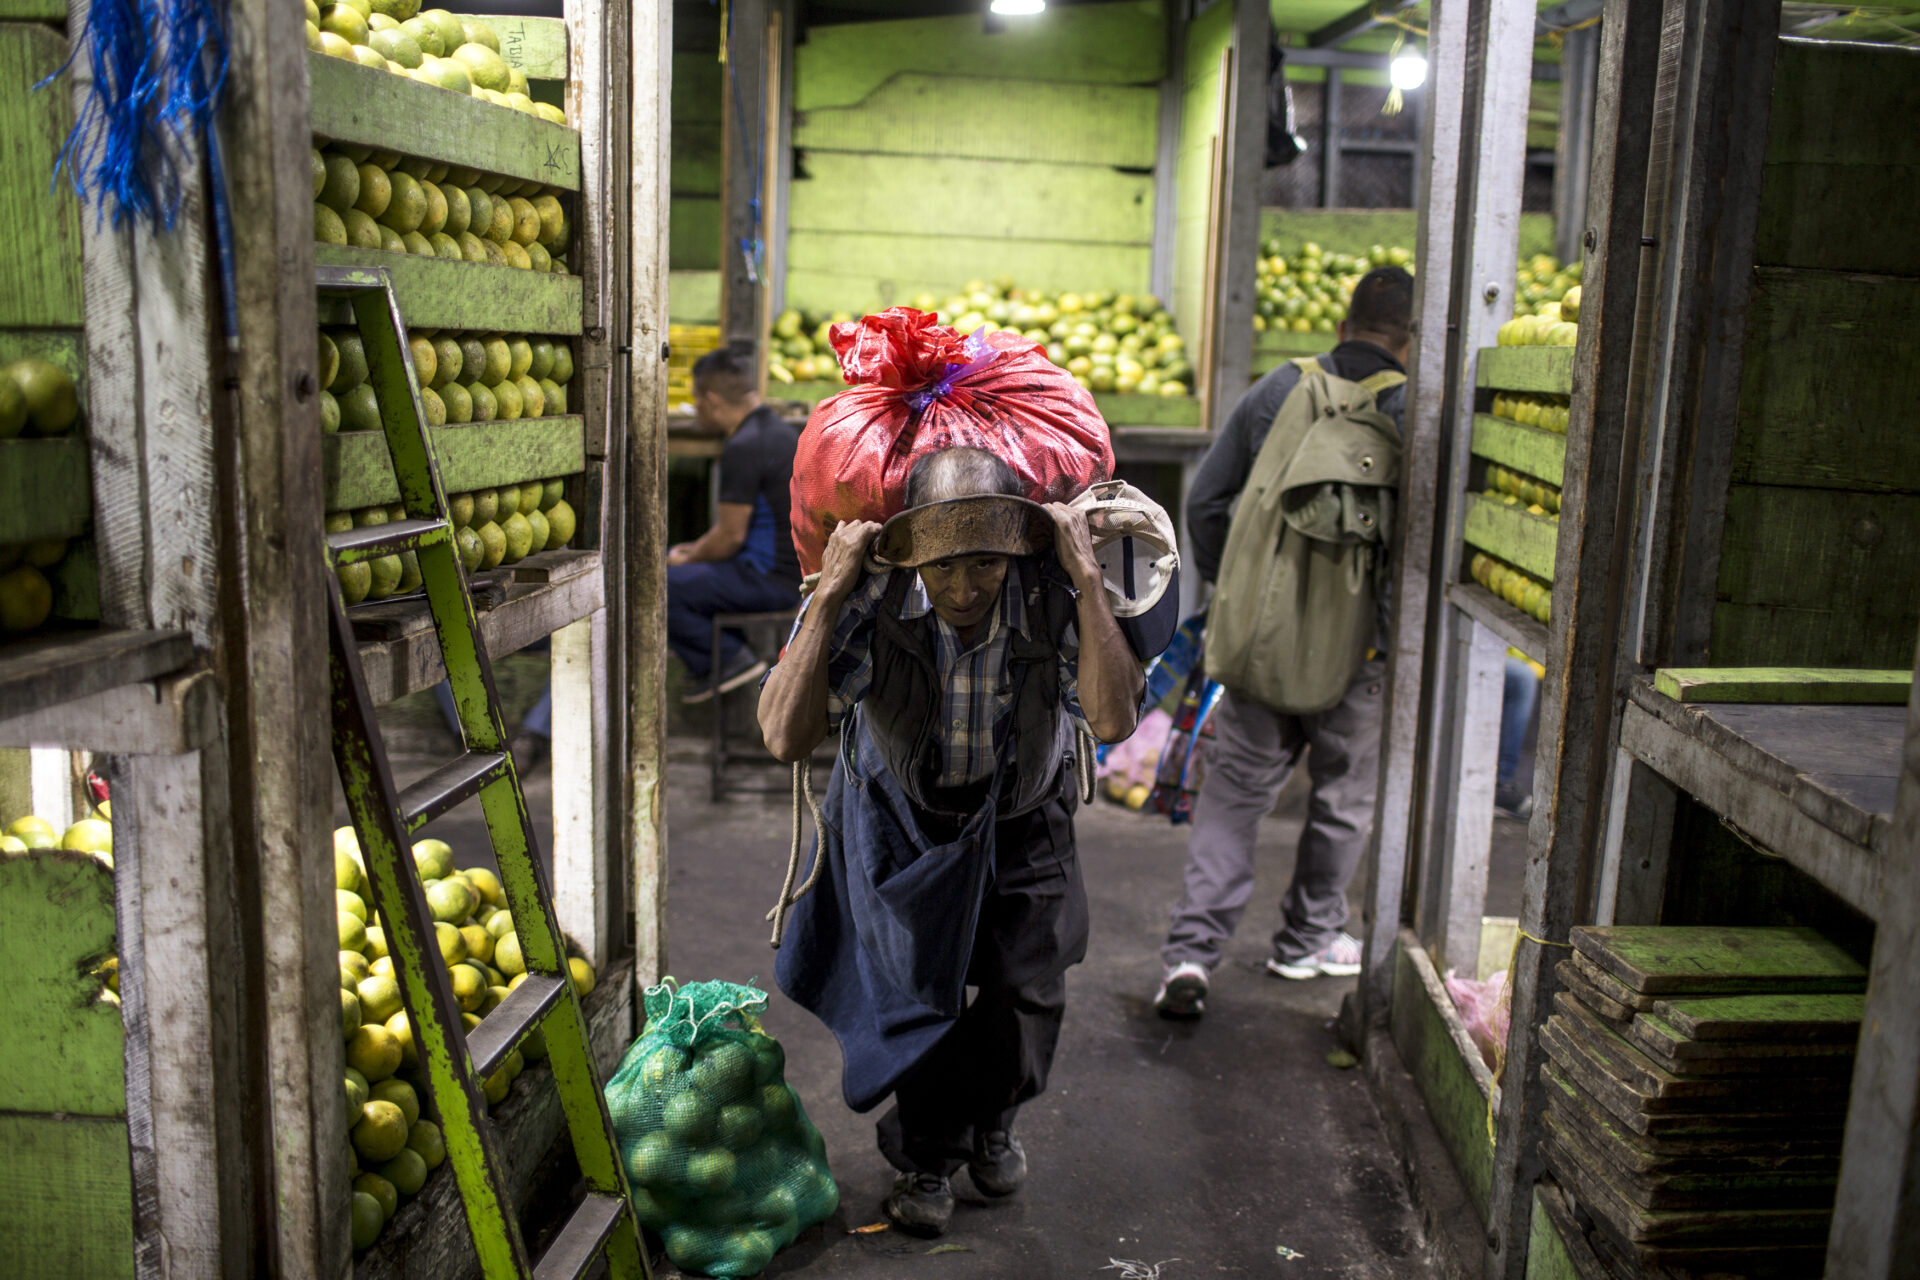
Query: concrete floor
(1229, 1146)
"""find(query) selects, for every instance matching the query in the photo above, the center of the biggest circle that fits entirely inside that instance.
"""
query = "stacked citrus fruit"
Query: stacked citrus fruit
(383, 200)
(461, 376)
(434, 47)
(492, 527)
(37, 398)
(394, 1146)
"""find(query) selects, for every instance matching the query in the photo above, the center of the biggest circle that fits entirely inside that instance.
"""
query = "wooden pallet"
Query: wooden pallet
(1665, 960)
(1636, 1153)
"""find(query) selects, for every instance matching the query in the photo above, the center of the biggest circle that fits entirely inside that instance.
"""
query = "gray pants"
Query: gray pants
(1253, 754)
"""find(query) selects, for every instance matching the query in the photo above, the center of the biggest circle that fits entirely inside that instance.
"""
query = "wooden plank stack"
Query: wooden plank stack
(1697, 1087)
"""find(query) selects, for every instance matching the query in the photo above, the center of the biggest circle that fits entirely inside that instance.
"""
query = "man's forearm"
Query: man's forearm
(1111, 680)
(715, 544)
(793, 702)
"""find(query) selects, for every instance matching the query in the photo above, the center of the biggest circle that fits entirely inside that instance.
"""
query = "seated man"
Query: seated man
(746, 562)
(949, 859)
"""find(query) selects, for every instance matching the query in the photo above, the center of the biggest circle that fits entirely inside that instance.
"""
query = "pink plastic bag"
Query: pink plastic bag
(1485, 1006)
(919, 387)
(1132, 763)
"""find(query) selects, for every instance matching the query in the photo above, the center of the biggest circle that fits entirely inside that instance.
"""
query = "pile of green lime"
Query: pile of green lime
(389, 202)
(460, 376)
(491, 527)
(433, 47)
(721, 1159)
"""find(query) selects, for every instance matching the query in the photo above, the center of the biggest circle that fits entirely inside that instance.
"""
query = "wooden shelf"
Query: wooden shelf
(1523, 540)
(1160, 444)
(44, 671)
(358, 105)
(46, 489)
(357, 471)
(1273, 349)
(1541, 454)
(1541, 370)
(542, 594)
(1122, 411)
(1519, 630)
(438, 293)
(1812, 783)
(428, 1236)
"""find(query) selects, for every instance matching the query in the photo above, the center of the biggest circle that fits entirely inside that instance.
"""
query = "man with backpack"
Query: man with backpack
(1290, 515)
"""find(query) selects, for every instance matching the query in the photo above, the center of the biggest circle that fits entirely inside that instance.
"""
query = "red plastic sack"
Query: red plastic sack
(919, 387)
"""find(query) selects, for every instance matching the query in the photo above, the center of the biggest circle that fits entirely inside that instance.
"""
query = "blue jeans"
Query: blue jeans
(1516, 710)
(696, 592)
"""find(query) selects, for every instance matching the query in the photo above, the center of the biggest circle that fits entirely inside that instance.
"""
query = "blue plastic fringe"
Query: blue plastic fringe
(159, 72)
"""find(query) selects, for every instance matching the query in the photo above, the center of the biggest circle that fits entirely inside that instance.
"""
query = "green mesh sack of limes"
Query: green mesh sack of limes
(723, 1163)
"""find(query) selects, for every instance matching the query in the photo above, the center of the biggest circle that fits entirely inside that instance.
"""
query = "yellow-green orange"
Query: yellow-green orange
(375, 1054)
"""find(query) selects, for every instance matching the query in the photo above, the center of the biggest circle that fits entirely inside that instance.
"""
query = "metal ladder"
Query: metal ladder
(385, 818)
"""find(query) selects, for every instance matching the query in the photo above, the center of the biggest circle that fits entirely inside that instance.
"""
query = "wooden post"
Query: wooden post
(1876, 1217)
(1422, 455)
(645, 623)
(1577, 710)
(1463, 730)
(1330, 141)
(1573, 143)
(1244, 149)
(744, 151)
(582, 775)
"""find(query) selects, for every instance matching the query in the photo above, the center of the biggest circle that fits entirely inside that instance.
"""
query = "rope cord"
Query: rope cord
(1513, 955)
(802, 788)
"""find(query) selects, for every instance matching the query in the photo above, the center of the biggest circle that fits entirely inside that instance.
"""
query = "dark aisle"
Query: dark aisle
(1228, 1147)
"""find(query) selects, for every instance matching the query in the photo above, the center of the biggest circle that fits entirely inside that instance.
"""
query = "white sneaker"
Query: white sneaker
(1183, 991)
(1338, 959)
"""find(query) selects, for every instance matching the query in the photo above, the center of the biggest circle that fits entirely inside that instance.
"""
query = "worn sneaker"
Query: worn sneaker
(921, 1204)
(999, 1163)
(1338, 959)
(744, 669)
(1183, 991)
(1509, 801)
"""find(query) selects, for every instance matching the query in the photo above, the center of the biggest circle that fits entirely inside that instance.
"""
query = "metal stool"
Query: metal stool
(779, 622)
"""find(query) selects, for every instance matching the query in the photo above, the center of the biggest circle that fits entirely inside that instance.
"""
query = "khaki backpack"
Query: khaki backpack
(1295, 610)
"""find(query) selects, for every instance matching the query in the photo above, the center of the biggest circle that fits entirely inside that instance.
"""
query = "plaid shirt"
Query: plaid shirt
(977, 687)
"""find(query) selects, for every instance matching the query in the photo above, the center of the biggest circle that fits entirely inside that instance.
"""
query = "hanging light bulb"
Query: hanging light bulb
(1018, 8)
(1408, 71)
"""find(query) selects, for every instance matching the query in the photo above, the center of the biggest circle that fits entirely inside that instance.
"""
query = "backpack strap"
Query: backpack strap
(1384, 380)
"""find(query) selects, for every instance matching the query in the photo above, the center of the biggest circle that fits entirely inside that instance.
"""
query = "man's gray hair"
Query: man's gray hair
(960, 472)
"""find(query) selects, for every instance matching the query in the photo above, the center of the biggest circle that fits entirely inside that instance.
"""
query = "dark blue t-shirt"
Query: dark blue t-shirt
(756, 469)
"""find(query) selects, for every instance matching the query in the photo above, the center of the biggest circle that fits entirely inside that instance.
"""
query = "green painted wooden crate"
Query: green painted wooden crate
(356, 104)
(358, 472)
(436, 293)
(1541, 454)
(1541, 370)
(1525, 541)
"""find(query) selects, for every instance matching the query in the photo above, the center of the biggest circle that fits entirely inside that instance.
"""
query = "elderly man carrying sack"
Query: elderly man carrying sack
(957, 674)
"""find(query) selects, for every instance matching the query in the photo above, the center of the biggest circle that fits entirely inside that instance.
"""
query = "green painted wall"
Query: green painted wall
(1200, 108)
(929, 153)
(693, 214)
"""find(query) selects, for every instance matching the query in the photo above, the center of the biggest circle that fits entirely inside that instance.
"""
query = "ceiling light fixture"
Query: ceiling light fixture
(1018, 8)
(1408, 71)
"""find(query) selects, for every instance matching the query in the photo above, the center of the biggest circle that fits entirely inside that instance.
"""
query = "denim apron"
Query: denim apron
(878, 951)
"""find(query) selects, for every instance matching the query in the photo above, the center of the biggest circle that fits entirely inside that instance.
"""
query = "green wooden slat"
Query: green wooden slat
(1785, 684)
(1541, 454)
(1774, 1015)
(834, 271)
(33, 10)
(40, 272)
(1828, 384)
(913, 114)
(357, 104)
(66, 1197)
(1275, 348)
(1454, 1101)
(358, 472)
(1708, 959)
(65, 1043)
(996, 200)
(46, 490)
(1542, 370)
(436, 293)
(1524, 541)
(693, 233)
(693, 296)
(538, 46)
(842, 64)
(1147, 411)
(1547, 1256)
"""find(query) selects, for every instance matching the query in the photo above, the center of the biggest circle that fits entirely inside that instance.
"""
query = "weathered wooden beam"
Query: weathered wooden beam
(357, 471)
(1516, 628)
(745, 150)
(1876, 1216)
(163, 717)
(436, 293)
(1425, 436)
(643, 629)
(47, 670)
(1357, 21)
(1511, 533)
(1577, 711)
(1783, 684)
(1459, 902)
